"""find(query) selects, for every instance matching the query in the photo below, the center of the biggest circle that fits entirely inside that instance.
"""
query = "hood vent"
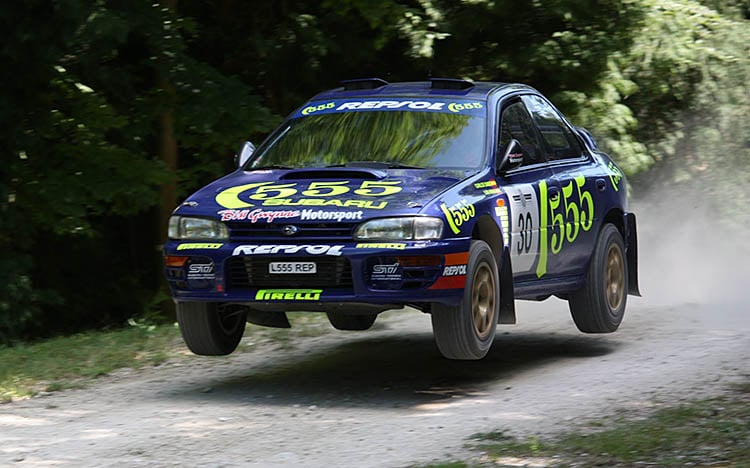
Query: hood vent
(450, 83)
(334, 173)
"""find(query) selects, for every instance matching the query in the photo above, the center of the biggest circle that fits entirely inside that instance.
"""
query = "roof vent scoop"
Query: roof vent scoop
(363, 83)
(450, 83)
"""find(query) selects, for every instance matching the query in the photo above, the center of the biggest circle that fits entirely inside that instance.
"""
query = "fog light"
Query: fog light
(175, 261)
(420, 261)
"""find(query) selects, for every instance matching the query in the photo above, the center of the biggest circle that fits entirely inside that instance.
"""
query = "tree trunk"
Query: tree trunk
(168, 154)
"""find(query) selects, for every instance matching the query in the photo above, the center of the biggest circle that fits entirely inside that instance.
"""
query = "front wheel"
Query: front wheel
(466, 331)
(598, 307)
(211, 329)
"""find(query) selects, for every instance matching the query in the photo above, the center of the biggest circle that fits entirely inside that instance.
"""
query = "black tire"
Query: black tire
(466, 331)
(351, 322)
(211, 329)
(598, 307)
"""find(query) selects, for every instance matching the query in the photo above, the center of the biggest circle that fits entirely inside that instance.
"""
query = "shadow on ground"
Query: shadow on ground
(391, 371)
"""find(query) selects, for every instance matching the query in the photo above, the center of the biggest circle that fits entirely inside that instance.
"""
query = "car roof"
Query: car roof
(436, 87)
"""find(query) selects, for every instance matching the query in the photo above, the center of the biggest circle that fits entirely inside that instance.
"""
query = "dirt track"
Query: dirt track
(386, 398)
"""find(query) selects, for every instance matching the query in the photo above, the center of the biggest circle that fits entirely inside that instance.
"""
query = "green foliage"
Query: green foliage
(554, 45)
(701, 433)
(676, 96)
(67, 164)
(290, 50)
(78, 133)
(692, 67)
(603, 112)
(229, 114)
(20, 302)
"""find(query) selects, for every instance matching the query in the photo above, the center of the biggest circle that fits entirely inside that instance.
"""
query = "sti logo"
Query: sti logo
(201, 271)
(385, 269)
(198, 268)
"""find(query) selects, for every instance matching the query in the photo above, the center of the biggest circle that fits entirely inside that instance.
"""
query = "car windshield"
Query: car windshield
(419, 134)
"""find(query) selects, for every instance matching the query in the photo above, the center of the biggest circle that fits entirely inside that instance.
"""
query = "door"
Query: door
(523, 186)
(571, 204)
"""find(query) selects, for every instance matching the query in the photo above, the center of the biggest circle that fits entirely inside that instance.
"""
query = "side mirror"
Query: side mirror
(511, 156)
(247, 150)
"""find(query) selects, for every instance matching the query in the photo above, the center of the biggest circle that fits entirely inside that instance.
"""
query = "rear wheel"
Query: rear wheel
(466, 331)
(352, 322)
(598, 307)
(211, 329)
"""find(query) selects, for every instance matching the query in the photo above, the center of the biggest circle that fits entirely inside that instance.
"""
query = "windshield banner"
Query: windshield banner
(446, 106)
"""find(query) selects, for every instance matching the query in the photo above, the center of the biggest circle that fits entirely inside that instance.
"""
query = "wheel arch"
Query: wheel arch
(615, 216)
(625, 223)
(487, 230)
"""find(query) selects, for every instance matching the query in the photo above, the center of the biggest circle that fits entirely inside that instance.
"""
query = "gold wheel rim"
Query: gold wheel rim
(615, 288)
(483, 301)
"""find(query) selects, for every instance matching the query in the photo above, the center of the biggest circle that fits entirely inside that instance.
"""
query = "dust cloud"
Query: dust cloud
(688, 251)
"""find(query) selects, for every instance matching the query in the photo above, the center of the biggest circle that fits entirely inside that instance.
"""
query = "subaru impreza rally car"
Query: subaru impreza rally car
(449, 196)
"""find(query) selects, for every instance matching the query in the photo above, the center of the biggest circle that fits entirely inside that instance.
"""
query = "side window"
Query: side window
(516, 123)
(558, 138)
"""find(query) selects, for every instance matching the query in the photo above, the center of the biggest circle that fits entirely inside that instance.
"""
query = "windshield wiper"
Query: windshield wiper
(398, 165)
(377, 165)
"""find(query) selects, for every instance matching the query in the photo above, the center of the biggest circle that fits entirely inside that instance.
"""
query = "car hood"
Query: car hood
(317, 195)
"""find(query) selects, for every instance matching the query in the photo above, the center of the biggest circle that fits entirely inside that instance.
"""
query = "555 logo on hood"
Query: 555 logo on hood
(262, 191)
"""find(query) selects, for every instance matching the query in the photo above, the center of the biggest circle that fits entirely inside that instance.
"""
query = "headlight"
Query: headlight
(409, 228)
(181, 227)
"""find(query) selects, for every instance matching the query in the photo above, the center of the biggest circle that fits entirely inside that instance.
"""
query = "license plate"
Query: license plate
(291, 268)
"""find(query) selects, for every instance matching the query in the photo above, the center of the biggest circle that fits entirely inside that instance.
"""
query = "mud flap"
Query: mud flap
(507, 299)
(268, 319)
(631, 246)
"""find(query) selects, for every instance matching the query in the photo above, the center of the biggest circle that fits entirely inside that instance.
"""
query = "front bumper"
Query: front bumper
(346, 272)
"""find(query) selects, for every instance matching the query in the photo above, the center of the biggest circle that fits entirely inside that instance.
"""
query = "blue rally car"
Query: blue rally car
(452, 197)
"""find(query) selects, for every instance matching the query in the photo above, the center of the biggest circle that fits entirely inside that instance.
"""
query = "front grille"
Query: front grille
(273, 231)
(252, 272)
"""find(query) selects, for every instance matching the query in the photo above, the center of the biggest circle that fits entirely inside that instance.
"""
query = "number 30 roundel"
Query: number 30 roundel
(524, 222)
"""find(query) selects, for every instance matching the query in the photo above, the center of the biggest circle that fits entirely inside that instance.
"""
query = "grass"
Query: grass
(73, 361)
(710, 432)
(68, 362)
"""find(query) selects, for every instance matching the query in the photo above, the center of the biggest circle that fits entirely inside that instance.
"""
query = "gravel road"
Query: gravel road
(386, 398)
